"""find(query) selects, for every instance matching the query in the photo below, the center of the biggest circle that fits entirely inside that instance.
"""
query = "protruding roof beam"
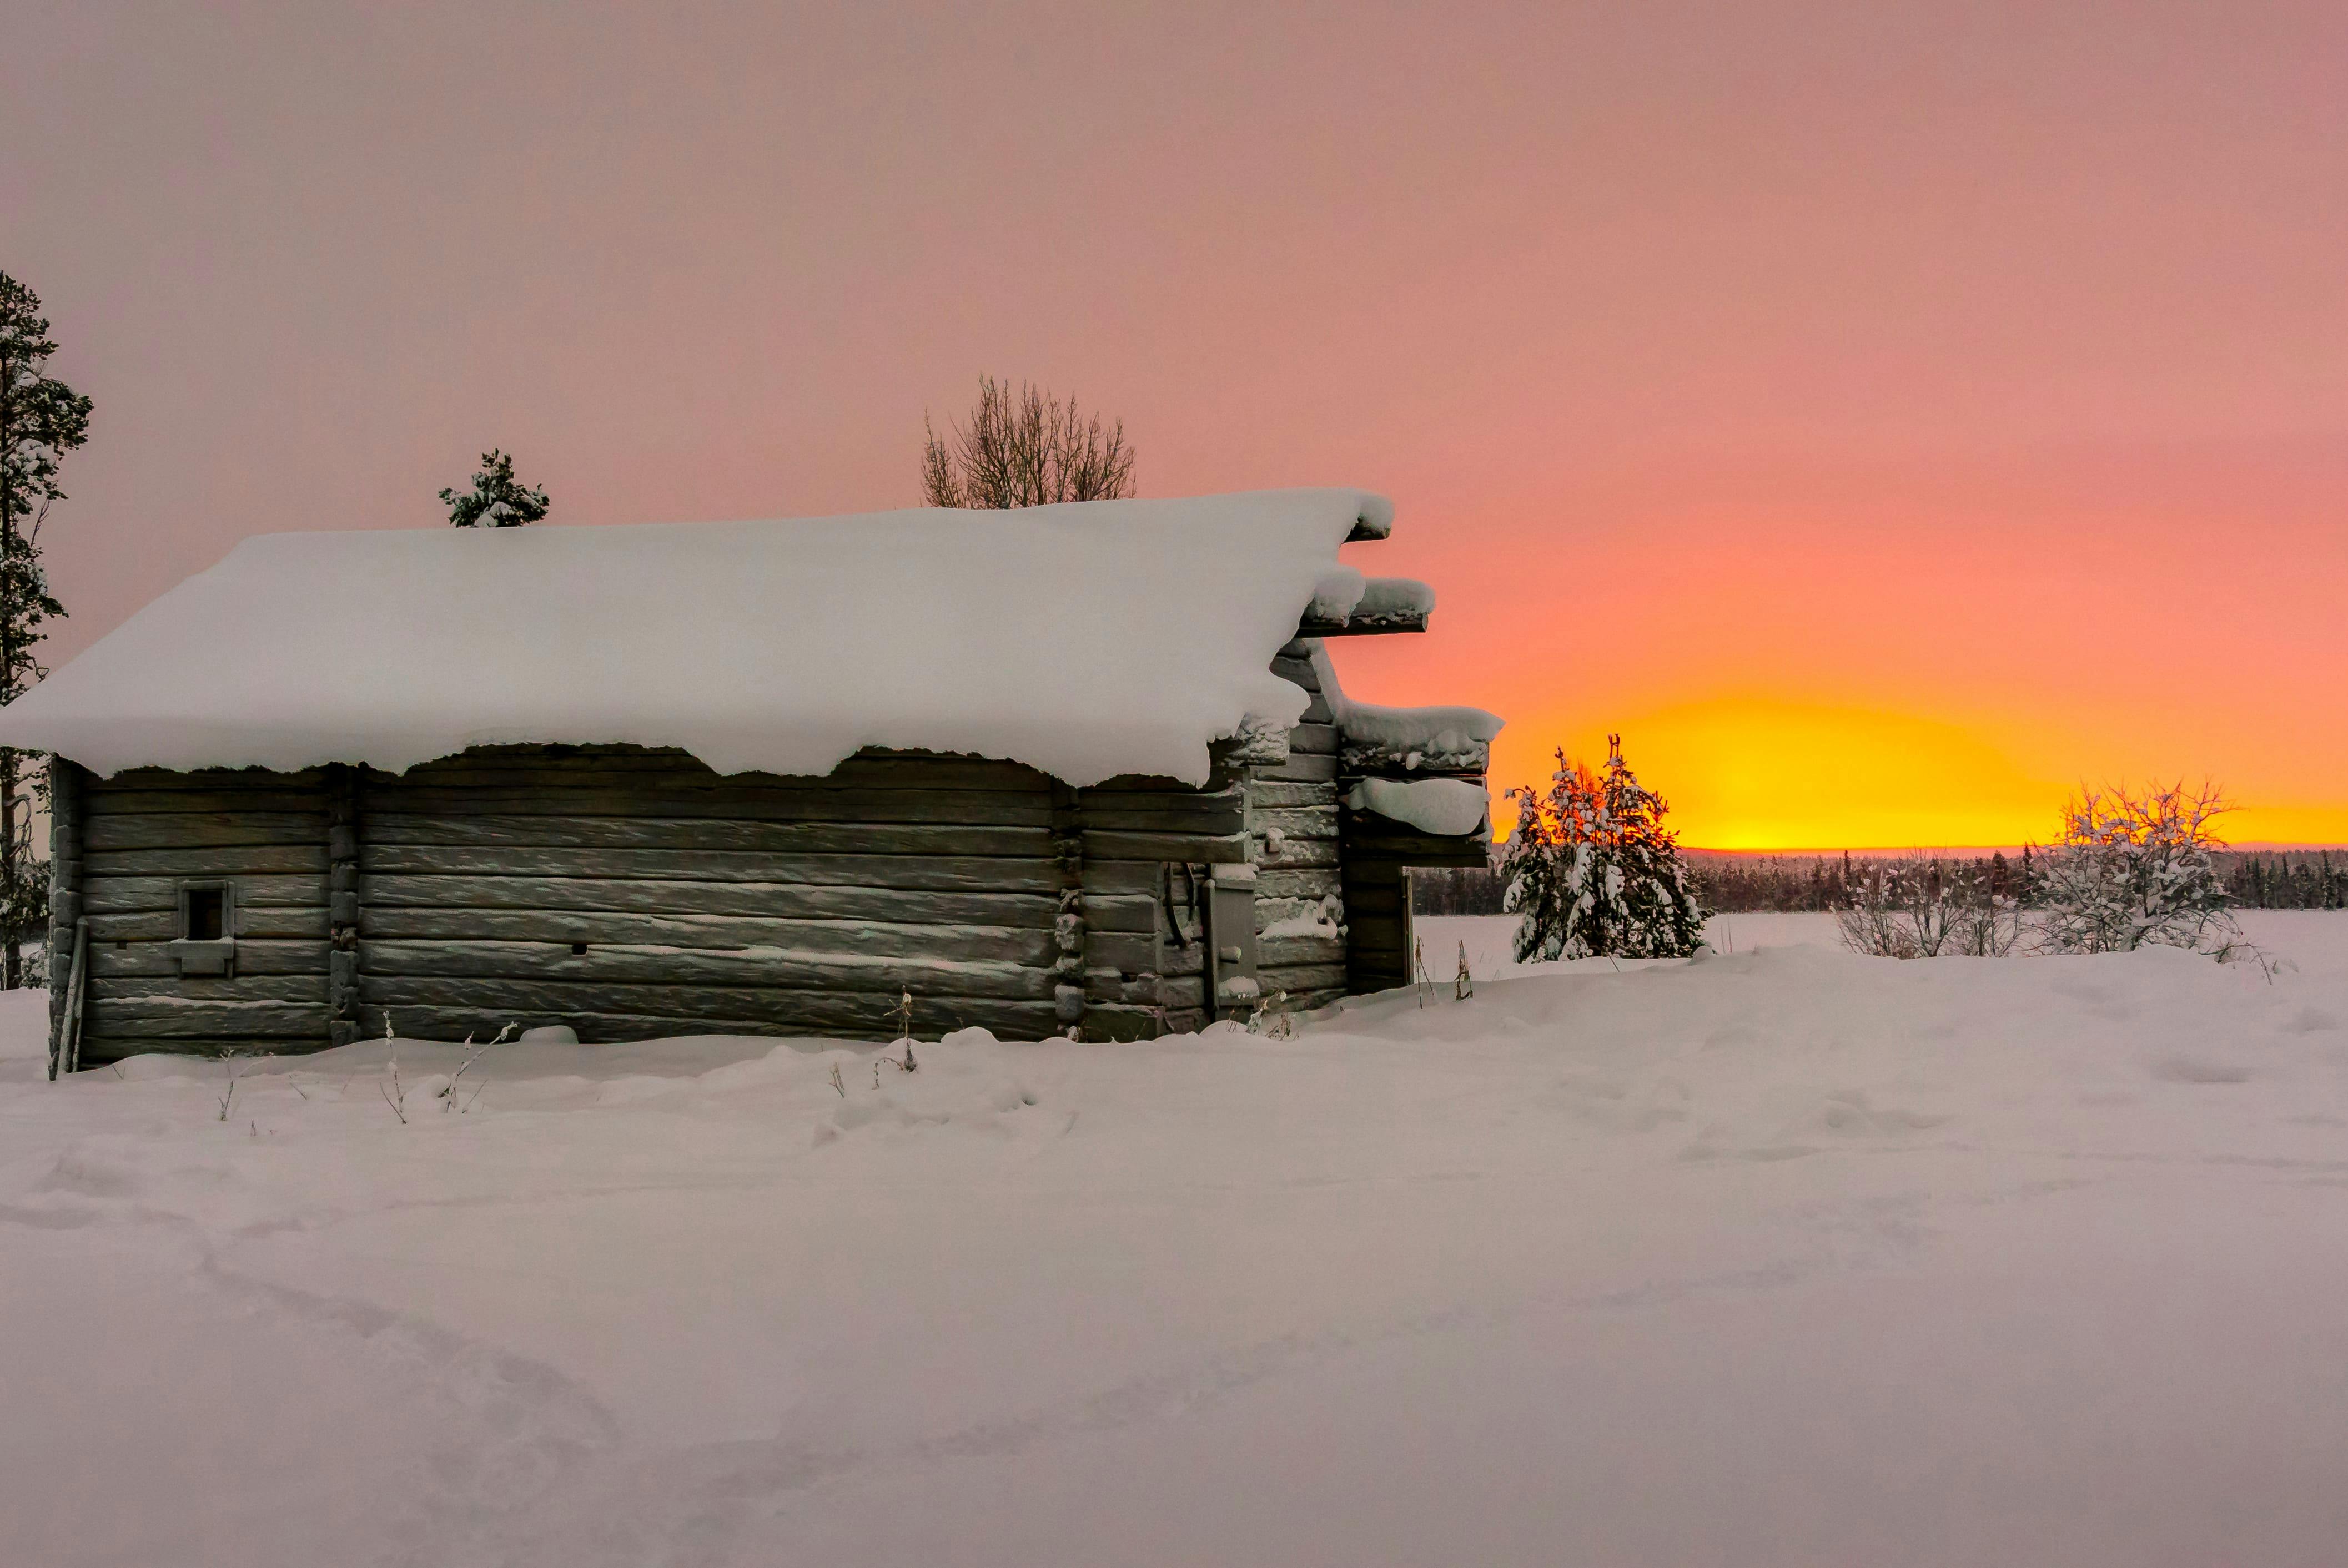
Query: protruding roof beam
(1385, 604)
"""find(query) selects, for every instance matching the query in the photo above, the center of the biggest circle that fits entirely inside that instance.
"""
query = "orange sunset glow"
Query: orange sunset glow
(1886, 417)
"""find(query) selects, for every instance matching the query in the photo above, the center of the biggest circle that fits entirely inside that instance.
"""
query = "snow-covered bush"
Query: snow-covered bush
(1923, 907)
(2133, 871)
(1591, 871)
(496, 500)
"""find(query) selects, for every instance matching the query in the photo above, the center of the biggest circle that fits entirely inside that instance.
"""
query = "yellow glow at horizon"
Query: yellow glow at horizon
(1758, 772)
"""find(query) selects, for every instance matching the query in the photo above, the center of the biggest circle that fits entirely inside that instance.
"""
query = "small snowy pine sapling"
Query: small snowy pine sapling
(496, 500)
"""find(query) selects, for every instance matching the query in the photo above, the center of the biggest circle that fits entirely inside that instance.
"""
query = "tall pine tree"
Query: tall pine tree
(1591, 871)
(41, 420)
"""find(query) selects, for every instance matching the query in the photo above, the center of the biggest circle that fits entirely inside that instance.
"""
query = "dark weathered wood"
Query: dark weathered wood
(1313, 738)
(197, 989)
(1319, 767)
(113, 1021)
(1302, 882)
(154, 960)
(689, 1009)
(264, 920)
(1284, 951)
(199, 830)
(234, 860)
(1164, 846)
(1123, 912)
(851, 942)
(1363, 624)
(975, 807)
(1301, 979)
(396, 923)
(1276, 794)
(1317, 821)
(596, 894)
(1213, 815)
(1296, 853)
(934, 873)
(967, 965)
(639, 847)
(106, 802)
(131, 895)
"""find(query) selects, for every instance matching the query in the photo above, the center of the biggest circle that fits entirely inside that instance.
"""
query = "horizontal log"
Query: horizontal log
(715, 851)
(597, 894)
(1223, 813)
(1005, 808)
(174, 803)
(1303, 882)
(844, 1017)
(133, 894)
(203, 830)
(149, 1018)
(198, 989)
(1117, 1023)
(1301, 979)
(1370, 900)
(268, 921)
(1299, 821)
(1128, 952)
(682, 1009)
(1300, 852)
(239, 860)
(906, 873)
(1317, 767)
(1274, 951)
(378, 922)
(1164, 846)
(969, 965)
(1122, 911)
(768, 901)
(1267, 794)
(155, 960)
(1319, 739)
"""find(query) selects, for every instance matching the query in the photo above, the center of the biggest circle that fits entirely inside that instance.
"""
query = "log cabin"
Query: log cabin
(1080, 769)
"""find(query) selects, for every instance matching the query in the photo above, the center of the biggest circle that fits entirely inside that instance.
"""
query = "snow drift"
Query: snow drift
(1087, 641)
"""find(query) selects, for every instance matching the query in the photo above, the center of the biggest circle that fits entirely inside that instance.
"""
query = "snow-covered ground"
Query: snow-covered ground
(1780, 1256)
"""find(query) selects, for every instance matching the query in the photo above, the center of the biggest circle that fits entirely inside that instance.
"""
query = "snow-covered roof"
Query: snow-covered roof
(1087, 641)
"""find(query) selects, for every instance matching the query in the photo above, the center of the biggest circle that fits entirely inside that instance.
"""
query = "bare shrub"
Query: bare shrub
(1924, 908)
(2133, 871)
(1025, 448)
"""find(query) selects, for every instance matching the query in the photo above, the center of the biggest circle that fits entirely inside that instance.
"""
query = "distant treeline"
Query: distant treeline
(1752, 884)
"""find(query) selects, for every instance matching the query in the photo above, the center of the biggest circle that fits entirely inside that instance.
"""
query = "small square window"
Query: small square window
(205, 913)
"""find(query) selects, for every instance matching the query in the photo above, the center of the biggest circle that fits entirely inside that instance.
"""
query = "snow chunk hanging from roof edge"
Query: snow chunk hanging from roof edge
(1087, 639)
(1446, 808)
(1420, 737)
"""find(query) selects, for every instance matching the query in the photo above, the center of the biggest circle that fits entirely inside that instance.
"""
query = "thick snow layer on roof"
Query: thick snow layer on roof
(1087, 641)
(1431, 736)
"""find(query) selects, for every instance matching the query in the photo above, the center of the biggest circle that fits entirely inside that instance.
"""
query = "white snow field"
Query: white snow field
(1782, 1256)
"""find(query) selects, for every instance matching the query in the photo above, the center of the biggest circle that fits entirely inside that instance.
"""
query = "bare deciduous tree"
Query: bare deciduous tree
(2136, 870)
(1025, 448)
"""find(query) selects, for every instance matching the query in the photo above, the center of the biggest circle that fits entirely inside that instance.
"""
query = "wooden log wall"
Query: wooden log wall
(66, 806)
(145, 836)
(1293, 826)
(637, 894)
(630, 894)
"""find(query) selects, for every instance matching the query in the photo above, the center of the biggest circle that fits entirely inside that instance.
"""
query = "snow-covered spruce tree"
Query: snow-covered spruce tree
(496, 500)
(2132, 871)
(41, 420)
(1591, 870)
(1025, 448)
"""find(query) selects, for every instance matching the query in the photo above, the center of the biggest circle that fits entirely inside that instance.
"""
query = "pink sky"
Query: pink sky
(1884, 415)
